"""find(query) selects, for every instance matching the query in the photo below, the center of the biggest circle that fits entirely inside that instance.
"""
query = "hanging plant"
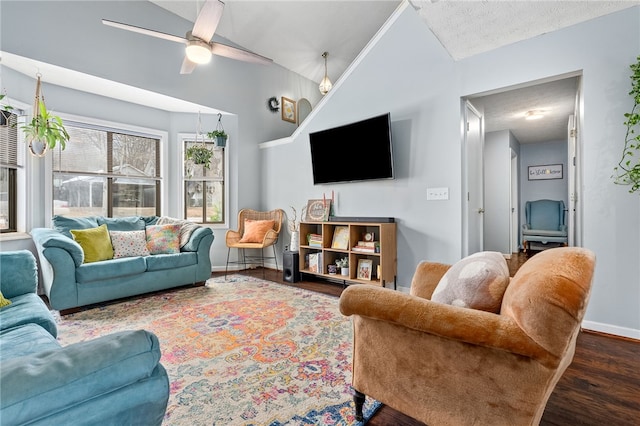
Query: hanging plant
(45, 130)
(628, 170)
(219, 135)
(200, 154)
(5, 112)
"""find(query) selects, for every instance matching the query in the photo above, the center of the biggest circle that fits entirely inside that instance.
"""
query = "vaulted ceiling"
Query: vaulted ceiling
(295, 33)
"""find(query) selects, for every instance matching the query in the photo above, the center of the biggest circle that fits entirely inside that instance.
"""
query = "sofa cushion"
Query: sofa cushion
(129, 243)
(163, 239)
(64, 224)
(477, 282)
(254, 230)
(27, 309)
(95, 243)
(170, 261)
(25, 340)
(4, 301)
(114, 268)
(130, 223)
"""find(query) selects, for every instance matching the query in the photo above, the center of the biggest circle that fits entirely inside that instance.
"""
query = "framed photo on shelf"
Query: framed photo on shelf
(288, 110)
(340, 238)
(365, 267)
(318, 210)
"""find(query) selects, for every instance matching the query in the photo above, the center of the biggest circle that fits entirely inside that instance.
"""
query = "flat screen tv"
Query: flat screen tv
(354, 152)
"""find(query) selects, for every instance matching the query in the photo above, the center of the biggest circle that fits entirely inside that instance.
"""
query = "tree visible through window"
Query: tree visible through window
(107, 173)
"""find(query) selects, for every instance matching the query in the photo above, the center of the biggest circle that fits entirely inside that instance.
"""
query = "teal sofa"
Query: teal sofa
(70, 283)
(112, 380)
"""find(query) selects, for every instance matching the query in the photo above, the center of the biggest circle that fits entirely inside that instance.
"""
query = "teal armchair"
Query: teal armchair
(544, 223)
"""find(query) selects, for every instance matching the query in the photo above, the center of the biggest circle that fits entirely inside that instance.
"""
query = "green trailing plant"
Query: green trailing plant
(628, 170)
(200, 154)
(216, 134)
(46, 128)
(5, 110)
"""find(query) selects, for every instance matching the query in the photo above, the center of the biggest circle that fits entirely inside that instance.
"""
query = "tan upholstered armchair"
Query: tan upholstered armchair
(448, 365)
(256, 230)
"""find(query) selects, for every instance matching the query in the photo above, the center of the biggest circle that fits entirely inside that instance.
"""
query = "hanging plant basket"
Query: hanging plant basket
(219, 135)
(45, 130)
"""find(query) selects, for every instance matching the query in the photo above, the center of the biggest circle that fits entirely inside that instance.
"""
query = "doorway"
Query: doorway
(521, 143)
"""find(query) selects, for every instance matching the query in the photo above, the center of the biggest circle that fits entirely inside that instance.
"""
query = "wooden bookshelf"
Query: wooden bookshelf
(384, 256)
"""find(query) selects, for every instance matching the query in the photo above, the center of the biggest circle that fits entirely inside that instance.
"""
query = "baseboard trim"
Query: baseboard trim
(611, 329)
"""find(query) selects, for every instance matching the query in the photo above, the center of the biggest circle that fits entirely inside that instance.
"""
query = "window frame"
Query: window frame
(191, 137)
(69, 119)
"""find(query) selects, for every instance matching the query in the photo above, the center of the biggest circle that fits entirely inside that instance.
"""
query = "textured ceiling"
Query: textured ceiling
(295, 33)
(507, 110)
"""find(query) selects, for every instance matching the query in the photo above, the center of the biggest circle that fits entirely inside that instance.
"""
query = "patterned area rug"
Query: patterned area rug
(241, 352)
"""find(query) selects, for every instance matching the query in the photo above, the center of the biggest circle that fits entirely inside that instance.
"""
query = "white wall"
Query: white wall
(408, 73)
(497, 191)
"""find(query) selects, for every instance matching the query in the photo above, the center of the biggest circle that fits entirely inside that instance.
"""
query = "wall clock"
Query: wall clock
(273, 104)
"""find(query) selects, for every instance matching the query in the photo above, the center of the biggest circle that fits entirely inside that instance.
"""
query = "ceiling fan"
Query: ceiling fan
(199, 45)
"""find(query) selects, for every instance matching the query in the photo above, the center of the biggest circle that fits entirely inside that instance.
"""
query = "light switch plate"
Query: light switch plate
(437, 193)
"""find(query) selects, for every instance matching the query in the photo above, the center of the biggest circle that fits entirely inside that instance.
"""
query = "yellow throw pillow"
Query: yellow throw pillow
(95, 243)
(4, 301)
(254, 230)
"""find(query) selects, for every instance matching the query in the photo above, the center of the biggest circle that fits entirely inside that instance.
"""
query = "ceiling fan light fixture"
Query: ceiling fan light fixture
(325, 84)
(198, 51)
(534, 114)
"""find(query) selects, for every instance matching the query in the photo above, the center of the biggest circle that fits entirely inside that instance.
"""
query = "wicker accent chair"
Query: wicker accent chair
(255, 231)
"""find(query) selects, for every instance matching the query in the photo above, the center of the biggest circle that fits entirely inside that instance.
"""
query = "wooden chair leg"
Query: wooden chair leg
(358, 399)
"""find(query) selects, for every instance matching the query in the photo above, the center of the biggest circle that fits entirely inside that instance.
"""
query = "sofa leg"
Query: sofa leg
(200, 284)
(358, 399)
(70, 311)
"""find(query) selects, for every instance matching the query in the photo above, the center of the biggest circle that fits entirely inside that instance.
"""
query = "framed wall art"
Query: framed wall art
(545, 172)
(288, 110)
(318, 210)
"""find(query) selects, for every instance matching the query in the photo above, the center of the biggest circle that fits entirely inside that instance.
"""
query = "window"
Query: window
(8, 172)
(106, 172)
(204, 187)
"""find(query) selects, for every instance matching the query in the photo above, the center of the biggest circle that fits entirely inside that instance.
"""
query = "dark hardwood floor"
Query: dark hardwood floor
(600, 387)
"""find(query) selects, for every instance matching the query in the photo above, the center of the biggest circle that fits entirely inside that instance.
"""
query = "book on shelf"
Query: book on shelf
(315, 262)
(340, 238)
(314, 240)
(367, 247)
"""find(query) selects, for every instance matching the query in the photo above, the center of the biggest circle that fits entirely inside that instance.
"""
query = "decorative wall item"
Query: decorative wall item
(273, 104)
(548, 171)
(288, 110)
(318, 210)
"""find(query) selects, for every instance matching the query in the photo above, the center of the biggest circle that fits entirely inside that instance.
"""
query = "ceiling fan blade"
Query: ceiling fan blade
(239, 54)
(145, 31)
(187, 66)
(207, 20)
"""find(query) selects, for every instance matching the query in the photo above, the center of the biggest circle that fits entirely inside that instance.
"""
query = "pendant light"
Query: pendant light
(325, 84)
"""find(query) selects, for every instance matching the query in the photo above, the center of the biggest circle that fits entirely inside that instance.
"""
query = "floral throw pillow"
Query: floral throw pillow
(129, 243)
(163, 239)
